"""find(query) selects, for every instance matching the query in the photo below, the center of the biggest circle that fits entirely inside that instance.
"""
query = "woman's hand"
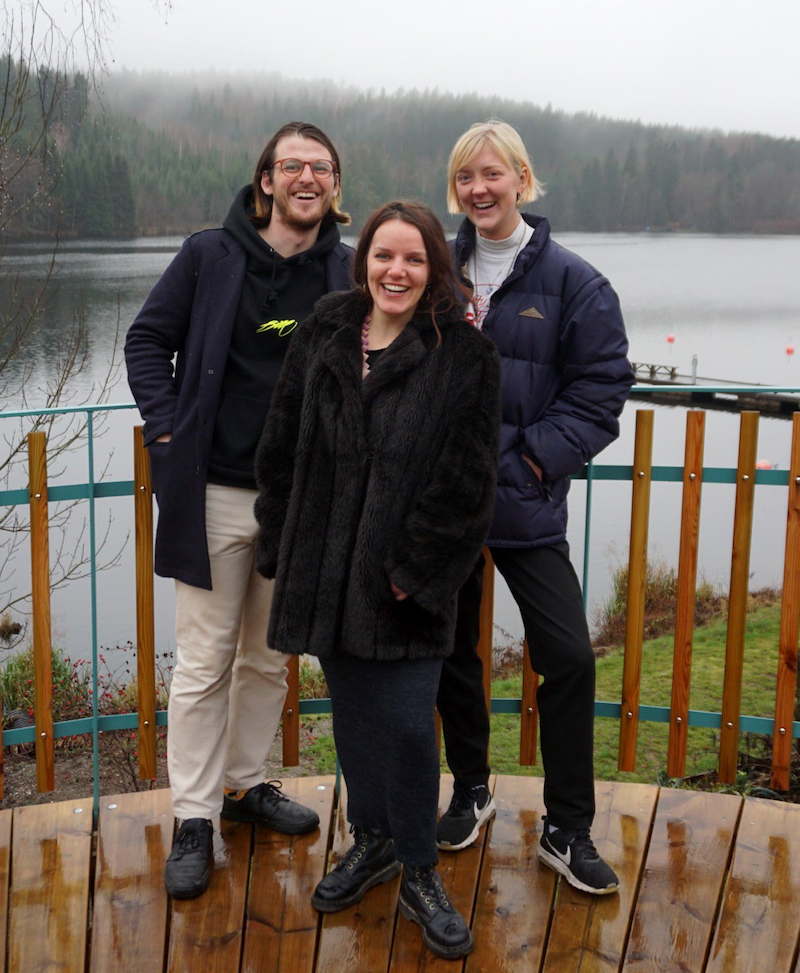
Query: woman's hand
(163, 438)
(398, 593)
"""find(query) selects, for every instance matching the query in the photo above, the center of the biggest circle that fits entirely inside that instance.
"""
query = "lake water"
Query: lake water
(734, 302)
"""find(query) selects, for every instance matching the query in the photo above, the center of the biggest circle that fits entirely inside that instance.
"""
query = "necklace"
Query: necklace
(364, 342)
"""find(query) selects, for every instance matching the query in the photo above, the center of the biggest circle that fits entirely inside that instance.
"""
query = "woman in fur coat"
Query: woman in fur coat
(376, 472)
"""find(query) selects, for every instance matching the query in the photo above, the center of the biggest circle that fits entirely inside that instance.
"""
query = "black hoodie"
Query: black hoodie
(277, 294)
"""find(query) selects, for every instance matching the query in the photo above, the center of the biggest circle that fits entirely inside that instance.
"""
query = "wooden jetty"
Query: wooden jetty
(670, 387)
(710, 883)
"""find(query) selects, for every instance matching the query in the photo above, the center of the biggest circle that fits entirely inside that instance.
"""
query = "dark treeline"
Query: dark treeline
(166, 153)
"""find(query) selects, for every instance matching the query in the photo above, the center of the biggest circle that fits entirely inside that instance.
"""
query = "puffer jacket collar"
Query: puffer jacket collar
(465, 244)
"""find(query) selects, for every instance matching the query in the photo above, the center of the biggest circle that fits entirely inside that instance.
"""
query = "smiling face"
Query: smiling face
(397, 271)
(487, 188)
(300, 202)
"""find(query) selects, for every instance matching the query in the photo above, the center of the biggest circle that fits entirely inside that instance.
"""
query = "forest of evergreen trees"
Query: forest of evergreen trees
(165, 154)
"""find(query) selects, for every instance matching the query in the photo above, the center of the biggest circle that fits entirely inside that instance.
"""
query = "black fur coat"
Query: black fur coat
(363, 481)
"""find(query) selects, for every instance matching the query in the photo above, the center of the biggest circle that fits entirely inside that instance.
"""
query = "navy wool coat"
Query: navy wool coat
(558, 327)
(365, 482)
(191, 312)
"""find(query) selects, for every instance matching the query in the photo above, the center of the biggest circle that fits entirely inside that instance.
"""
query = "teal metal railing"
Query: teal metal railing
(94, 490)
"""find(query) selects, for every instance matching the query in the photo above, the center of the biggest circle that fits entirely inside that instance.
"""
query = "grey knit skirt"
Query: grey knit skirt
(383, 725)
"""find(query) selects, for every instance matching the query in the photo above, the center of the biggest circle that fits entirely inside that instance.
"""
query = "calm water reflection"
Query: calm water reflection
(732, 301)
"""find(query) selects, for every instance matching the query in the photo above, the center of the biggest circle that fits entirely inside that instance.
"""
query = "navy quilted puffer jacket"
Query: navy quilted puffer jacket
(558, 327)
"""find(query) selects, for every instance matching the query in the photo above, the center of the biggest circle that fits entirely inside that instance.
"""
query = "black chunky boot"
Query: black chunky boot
(367, 863)
(423, 900)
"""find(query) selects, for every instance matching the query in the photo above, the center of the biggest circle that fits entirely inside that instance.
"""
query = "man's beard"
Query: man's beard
(297, 221)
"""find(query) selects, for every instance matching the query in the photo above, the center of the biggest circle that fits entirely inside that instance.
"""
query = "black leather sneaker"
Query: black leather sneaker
(469, 808)
(423, 900)
(264, 804)
(366, 864)
(573, 855)
(188, 869)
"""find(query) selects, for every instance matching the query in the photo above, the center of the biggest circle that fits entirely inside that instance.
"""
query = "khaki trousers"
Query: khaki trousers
(228, 687)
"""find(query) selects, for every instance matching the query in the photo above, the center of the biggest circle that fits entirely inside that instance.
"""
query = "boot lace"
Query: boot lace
(356, 851)
(430, 889)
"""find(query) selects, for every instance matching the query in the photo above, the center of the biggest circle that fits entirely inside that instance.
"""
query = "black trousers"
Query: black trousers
(385, 734)
(546, 589)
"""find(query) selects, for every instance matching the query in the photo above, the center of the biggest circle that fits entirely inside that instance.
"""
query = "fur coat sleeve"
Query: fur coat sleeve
(442, 535)
(276, 451)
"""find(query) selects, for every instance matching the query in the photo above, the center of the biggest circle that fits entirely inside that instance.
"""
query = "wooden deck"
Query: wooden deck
(709, 882)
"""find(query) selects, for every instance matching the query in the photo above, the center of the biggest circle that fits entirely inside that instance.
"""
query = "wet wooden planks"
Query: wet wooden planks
(358, 939)
(588, 932)
(5, 875)
(759, 922)
(709, 883)
(687, 860)
(515, 896)
(131, 913)
(281, 925)
(49, 899)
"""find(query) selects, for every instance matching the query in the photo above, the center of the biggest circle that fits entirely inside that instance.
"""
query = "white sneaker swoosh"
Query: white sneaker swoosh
(566, 856)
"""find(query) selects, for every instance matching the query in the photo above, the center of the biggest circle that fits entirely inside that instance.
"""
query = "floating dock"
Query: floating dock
(669, 387)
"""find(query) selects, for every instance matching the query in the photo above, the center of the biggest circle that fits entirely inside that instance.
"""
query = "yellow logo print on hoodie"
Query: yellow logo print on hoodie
(282, 326)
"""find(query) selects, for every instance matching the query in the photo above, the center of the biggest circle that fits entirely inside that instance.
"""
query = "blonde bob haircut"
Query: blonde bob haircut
(507, 143)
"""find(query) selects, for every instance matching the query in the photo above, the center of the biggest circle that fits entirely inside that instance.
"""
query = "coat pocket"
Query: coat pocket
(159, 465)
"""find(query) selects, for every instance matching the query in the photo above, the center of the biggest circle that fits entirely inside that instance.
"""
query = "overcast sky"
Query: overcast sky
(700, 63)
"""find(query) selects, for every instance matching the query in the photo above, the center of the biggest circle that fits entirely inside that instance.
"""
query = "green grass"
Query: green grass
(708, 667)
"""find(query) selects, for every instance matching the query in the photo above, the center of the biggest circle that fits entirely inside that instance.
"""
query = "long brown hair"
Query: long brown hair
(444, 292)
(263, 203)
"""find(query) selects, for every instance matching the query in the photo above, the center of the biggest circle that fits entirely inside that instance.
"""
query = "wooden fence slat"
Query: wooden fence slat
(5, 878)
(206, 933)
(49, 901)
(358, 939)
(687, 593)
(134, 837)
(589, 932)
(486, 639)
(145, 625)
(758, 922)
(40, 594)
(786, 687)
(515, 895)
(459, 871)
(291, 714)
(637, 577)
(529, 721)
(684, 873)
(737, 603)
(281, 933)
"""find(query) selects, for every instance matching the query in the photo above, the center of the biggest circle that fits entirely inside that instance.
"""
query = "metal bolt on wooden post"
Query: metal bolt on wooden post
(291, 714)
(40, 594)
(637, 578)
(145, 624)
(790, 619)
(687, 594)
(737, 602)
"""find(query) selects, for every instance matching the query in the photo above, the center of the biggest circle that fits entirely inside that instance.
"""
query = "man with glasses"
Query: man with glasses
(226, 306)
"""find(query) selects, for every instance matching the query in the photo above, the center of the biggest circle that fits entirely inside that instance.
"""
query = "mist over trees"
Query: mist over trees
(163, 154)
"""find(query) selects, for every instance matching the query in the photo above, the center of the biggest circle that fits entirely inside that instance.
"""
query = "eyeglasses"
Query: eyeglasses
(294, 167)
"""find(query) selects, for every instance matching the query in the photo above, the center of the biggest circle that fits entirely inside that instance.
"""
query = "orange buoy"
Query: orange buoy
(790, 350)
(763, 464)
(670, 339)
